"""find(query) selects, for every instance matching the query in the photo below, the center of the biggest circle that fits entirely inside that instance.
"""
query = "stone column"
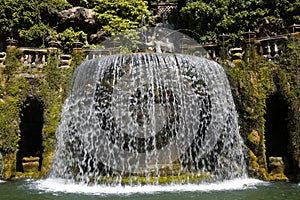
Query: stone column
(2, 59)
(65, 60)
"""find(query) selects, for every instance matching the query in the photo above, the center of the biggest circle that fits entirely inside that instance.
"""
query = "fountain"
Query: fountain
(149, 117)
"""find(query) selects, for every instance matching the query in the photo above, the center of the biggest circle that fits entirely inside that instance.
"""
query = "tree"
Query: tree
(212, 18)
(83, 3)
(27, 20)
(287, 10)
(31, 21)
(234, 17)
(120, 15)
(69, 36)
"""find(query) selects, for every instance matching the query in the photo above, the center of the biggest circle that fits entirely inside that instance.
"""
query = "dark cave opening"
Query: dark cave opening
(30, 144)
(276, 131)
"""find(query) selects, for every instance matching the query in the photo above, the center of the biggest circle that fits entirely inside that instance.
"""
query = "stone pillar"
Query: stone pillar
(236, 54)
(2, 59)
(294, 29)
(33, 58)
(65, 60)
(223, 41)
(26, 59)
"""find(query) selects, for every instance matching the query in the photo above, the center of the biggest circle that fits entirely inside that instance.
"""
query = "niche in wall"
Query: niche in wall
(30, 144)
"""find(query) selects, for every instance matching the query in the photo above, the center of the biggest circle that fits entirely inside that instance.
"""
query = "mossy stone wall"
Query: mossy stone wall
(49, 86)
(252, 80)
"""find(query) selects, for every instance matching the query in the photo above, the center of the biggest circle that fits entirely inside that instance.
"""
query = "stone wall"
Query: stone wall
(255, 71)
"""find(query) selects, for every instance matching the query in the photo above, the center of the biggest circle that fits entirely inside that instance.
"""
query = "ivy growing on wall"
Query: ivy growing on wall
(49, 86)
(253, 81)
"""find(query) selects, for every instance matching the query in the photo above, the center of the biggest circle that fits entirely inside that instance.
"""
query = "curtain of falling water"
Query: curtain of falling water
(138, 114)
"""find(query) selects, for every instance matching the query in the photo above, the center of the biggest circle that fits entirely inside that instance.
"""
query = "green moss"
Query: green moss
(254, 137)
(49, 86)
(162, 180)
(9, 160)
(253, 80)
(277, 177)
(9, 123)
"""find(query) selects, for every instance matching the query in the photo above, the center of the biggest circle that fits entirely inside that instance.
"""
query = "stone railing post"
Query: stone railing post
(236, 54)
(65, 60)
(2, 59)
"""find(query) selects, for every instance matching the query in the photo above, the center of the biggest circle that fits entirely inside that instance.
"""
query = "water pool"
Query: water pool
(236, 189)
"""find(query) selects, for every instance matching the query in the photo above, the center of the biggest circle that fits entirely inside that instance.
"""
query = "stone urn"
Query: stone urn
(65, 60)
(30, 164)
(276, 167)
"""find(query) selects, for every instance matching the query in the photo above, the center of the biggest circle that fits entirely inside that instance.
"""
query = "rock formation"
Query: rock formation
(79, 17)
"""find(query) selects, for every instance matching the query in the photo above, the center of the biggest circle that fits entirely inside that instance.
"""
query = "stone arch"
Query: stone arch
(277, 134)
(30, 144)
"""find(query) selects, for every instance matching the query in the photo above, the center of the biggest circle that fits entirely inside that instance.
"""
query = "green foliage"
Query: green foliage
(13, 92)
(34, 36)
(120, 15)
(31, 21)
(9, 131)
(288, 10)
(212, 18)
(292, 52)
(250, 97)
(234, 17)
(253, 81)
(53, 74)
(17, 14)
(26, 18)
(13, 63)
(69, 36)
(83, 3)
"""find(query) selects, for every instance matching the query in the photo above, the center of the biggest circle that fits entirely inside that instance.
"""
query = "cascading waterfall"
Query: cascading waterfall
(148, 115)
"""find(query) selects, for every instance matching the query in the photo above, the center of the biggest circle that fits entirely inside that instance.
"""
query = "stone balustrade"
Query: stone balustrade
(166, 8)
(269, 48)
(36, 58)
(33, 58)
(93, 53)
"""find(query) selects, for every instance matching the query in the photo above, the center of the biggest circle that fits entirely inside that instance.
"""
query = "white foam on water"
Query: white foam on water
(66, 186)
